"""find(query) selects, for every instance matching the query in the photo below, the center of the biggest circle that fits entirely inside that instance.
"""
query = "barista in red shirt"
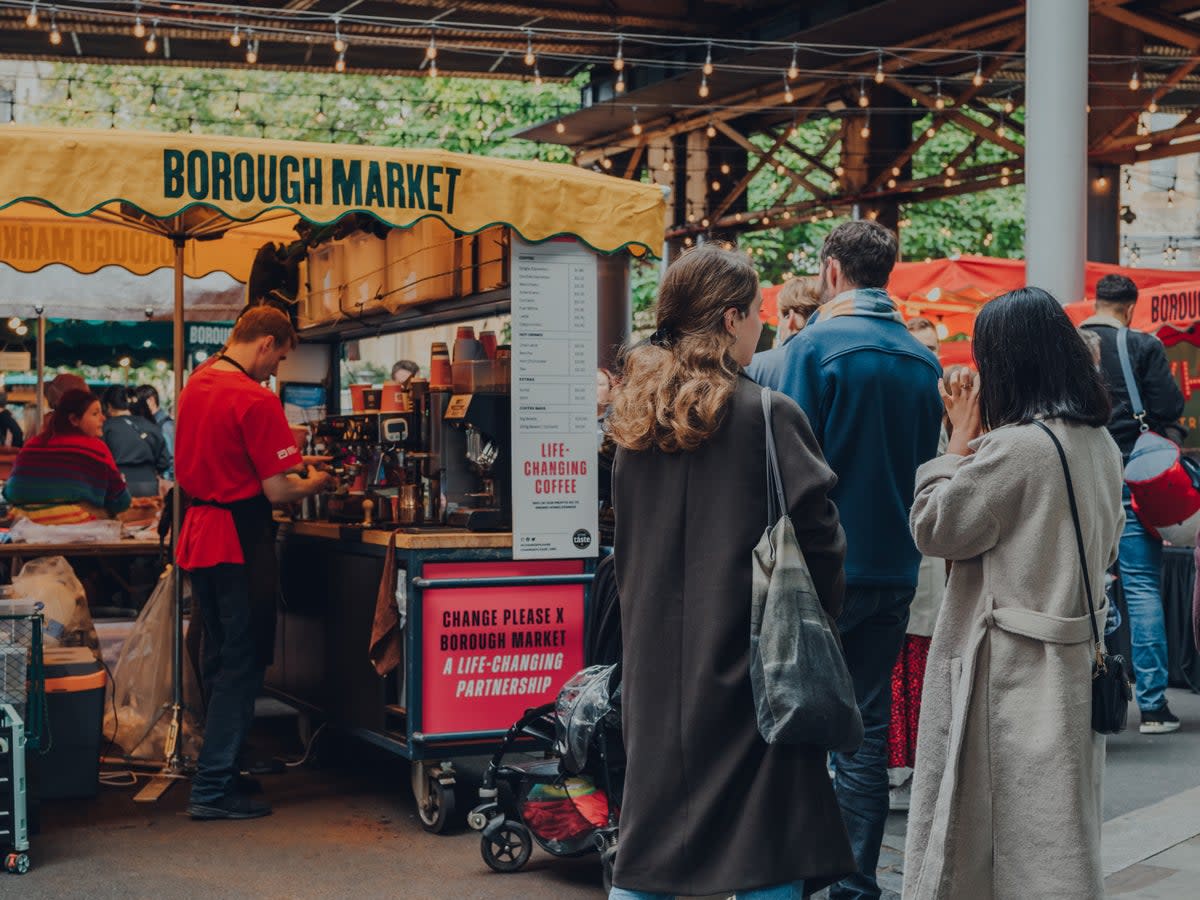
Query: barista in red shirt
(235, 457)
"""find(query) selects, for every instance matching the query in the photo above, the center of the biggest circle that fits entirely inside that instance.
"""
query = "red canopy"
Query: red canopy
(950, 292)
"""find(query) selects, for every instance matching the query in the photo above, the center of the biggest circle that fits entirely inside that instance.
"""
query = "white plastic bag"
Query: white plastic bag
(51, 581)
(142, 689)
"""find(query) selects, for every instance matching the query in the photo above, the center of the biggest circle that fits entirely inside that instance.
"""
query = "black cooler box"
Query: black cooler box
(75, 688)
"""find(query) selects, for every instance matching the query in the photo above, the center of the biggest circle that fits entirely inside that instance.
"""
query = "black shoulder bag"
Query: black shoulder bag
(1111, 692)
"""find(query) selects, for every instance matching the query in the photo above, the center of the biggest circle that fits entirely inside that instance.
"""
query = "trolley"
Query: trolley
(22, 721)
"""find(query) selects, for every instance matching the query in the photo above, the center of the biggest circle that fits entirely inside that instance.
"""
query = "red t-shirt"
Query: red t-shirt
(230, 436)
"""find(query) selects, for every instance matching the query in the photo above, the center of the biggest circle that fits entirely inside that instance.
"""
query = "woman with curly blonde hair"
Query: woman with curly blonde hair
(709, 807)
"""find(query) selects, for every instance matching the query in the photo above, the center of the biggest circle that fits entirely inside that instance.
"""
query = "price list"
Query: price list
(554, 430)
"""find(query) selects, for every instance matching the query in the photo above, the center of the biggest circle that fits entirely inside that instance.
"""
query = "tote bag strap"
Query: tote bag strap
(776, 501)
(1087, 581)
(1135, 396)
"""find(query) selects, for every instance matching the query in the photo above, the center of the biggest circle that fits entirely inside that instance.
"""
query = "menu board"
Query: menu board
(554, 435)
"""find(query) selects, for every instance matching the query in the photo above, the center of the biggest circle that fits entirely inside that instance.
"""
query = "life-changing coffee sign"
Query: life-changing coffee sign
(554, 432)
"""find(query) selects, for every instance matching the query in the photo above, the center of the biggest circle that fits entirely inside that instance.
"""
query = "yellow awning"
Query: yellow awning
(247, 191)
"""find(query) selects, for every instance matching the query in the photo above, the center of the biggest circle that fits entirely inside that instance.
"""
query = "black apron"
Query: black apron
(256, 534)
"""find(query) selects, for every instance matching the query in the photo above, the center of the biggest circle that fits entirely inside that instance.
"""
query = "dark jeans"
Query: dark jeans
(872, 625)
(232, 677)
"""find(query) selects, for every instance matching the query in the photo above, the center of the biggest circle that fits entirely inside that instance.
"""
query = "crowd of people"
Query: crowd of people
(935, 516)
(92, 455)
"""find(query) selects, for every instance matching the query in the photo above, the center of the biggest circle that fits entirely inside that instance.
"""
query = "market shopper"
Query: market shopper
(1140, 563)
(925, 332)
(1006, 798)
(147, 396)
(236, 458)
(798, 299)
(870, 392)
(65, 475)
(11, 434)
(137, 444)
(709, 807)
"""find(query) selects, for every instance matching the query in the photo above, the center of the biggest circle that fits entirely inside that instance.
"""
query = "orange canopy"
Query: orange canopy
(950, 292)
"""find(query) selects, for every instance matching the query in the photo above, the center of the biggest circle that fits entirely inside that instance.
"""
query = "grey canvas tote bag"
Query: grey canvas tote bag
(802, 689)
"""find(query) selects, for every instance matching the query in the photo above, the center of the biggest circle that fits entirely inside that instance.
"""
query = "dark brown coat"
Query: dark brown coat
(709, 807)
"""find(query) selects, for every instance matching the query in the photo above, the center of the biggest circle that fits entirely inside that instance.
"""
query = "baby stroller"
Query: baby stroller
(569, 803)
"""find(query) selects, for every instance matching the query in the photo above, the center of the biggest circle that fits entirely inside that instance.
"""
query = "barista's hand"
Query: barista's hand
(317, 481)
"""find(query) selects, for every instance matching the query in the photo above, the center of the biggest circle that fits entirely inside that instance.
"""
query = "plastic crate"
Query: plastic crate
(22, 673)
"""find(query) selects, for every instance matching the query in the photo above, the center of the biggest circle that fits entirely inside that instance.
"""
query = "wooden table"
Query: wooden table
(19, 553)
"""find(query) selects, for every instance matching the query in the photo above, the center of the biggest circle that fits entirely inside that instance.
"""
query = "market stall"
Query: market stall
(470, 499)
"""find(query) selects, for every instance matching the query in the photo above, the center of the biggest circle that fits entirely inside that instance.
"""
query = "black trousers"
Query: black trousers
(231, 674)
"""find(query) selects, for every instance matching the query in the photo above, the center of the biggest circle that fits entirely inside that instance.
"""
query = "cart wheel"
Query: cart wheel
(17, 863)
(509, 848)
(437, 806)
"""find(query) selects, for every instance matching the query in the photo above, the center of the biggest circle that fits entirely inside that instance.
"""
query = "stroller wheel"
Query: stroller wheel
(509, 848)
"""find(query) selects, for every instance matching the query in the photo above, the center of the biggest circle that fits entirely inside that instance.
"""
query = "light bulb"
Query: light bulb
(340, 65)
(560, 127)
(1134, 81)
(863, 100)
(940, 102)
(252, 52)
(879, 76)
(152, 42)
(14, 323)
(22, 330)
(70, 101)
(619, 87)
(237, 109)
(637, 126)
(930, 131)
(339, 42)
(788, 96)
(235, 39)
(1152, 108)
(431, 50)
(716, 185)
(537, 77)
(154, 100)
(896, 171)
(1005, 170)
(1008, 106)
(1001, 131)
(793, 71)
(891, 182)
(606, 163)
(31, 20)
(433, 72)
(951, 171)
(780, 169)
(711, 130)
(725, 170)
(1004, 180)
(708, 66)
(703, 86)
(866, 131)
(139, 30)
(55, 34)
(619, 62)
(977, 78)
(839, 170)
(530, 59)
(948, 182)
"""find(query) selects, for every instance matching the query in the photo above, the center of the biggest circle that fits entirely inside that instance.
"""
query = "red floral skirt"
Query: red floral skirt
(907, 680)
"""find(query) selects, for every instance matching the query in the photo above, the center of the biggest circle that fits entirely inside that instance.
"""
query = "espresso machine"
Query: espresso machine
(469, 447)
(376, 457)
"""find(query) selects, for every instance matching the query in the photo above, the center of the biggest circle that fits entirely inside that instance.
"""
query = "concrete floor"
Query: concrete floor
(347, 826)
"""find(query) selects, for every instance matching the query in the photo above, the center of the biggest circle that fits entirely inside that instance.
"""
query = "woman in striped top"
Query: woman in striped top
(66, 474)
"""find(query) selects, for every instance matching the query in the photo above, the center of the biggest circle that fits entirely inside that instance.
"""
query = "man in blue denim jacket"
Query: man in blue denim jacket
(869, 389)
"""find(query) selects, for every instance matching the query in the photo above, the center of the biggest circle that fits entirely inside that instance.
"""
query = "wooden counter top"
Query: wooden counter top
(414, 539)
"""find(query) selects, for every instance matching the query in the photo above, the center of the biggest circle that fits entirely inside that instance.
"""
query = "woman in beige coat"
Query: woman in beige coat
(1006, 796)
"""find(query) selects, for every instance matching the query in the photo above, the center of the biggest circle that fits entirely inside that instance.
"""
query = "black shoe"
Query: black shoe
(1159, 721)
(244, 784)
(234, 806)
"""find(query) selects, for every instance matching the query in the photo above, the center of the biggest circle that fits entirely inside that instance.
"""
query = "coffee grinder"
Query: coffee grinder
(472, 446)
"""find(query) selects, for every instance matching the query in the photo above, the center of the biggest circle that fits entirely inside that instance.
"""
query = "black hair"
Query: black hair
(866, 250)
(116, 397)
(146, 391)
(1116, 289)
(1033, 364)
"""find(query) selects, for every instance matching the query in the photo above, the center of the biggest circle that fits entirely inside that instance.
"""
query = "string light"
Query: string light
(31, 20)
(863, 100)
(70, 100)
(793, 71)
(433, 70)
(251, 47)
(1004, 180)
(431, 50)
(530, 59)
(139, 30)
(1001, 131)
(725, 169)
(339, 43)
(711, 130)
(703, 86)
(716, 185)
(930, 131)
(708, 66)
(606, 163)
(637, 126)
(1171, 194)
(951, 171)
(237, 106)
(559, 127)
(619, 87)
(939, 101)
(619, 62)
(839, 170)
(977, 78)
(866, 129)
(891, 182)
(896, 171)
(1134, 81)
(1152, 108)
(879, 76)
(154, 99)
(340, 65)
(152, 41)
(55, 34)
(788, 96)
(235, 39)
